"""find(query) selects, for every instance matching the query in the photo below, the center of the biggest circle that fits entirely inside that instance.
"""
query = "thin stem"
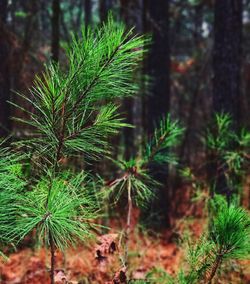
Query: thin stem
(215, 267)
(52, 259)
(128, 227)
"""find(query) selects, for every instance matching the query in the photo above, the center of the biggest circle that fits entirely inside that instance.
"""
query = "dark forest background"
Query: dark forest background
(196, 66)
(198, 63)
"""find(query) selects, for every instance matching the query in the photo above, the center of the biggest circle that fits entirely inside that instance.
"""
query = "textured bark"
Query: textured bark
(3, 10)
(55, 37)
(227, 57)
(31, 8)
(131, 14)
(158, 61)
(227, 75)
(104, 7)
(4, 73)
(156, 104)
(88, 12)
(52, 259)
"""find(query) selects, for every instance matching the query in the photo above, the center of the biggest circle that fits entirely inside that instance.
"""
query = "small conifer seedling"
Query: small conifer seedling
(227, 238)
(229, 155)
(69, 117)
(136, 180)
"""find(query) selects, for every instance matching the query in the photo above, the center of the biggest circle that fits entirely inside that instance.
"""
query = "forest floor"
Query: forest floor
(80, 265)
(147, 250)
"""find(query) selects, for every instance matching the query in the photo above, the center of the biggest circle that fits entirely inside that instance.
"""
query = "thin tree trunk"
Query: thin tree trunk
(52, 259)
(215, 267)
(128, 225)
(55, 37)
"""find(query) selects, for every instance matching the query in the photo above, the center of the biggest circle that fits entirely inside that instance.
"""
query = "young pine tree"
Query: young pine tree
(227, 238)
(229, 156)
(136, 181)
(69, 117)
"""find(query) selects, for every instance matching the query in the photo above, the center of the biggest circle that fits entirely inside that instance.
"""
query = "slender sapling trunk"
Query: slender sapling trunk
(52, 259)
(128, 226)
(215, 267)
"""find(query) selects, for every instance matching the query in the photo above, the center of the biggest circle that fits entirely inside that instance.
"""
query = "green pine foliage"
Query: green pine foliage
(136, 171)
(70, 117)
(12, 184)
(75, 110)
(230, 230)
(66, 213)
(230, 149)
(166, 136)
(228, 237)
(137, 177)
(136, 181)
(228, 156)
(69, 114)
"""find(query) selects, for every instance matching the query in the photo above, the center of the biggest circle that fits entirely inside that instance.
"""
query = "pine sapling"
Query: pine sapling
(136, 179)
(227, 237)
(229, 156)
(70, 118)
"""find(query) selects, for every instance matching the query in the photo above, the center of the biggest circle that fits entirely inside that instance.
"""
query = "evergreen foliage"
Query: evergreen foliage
(228, 237)
(166, 136)
(230, 150)
(69, 115)
(65, 213)
(228, 160)
(157, 150)
(12, 183)
(74, 110)
(136, 181)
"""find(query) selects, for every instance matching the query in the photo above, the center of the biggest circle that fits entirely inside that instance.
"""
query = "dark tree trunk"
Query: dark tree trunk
(55, 37)
(227, 57)
(31, 8)
(3, 10)
(157, 67)
(158, 62)
(104, 7)
(88, 12)
(4, 73)
(227, 74)
(131, 14)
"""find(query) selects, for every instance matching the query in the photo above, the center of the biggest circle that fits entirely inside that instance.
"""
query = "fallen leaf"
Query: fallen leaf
(60, 277)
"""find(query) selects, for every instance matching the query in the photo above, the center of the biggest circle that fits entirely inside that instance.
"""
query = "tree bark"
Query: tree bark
(52, 259)
(55, 37)
(131, 14)
(104, 7)
(3, 10)
(157, 103)
(158, 61)
(227, 57)
(88, 12)
(5, 48)
(227, 75)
